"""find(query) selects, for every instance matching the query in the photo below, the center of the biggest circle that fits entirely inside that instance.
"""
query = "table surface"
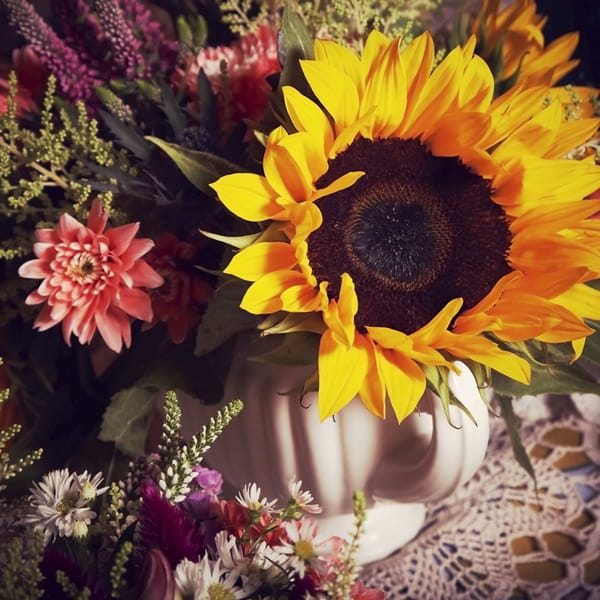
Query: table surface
(501, 537)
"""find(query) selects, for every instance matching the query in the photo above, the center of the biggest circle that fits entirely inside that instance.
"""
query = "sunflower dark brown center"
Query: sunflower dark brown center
(414, 232)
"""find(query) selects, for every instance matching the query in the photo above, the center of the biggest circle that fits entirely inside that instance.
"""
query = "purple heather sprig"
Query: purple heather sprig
(126, 48)
(157, 48)
(76, 80)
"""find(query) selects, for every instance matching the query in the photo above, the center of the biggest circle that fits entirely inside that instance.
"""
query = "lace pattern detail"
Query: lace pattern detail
(499, 536)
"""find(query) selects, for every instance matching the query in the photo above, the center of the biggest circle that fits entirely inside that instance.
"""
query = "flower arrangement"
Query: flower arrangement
(382, 188)
(165, 532)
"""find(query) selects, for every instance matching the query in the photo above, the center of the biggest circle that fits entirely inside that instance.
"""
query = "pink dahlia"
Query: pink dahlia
(249, 60)
(91, 278)
(181, 301)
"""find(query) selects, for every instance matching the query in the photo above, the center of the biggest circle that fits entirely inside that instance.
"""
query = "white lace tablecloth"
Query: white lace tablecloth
(497, 537)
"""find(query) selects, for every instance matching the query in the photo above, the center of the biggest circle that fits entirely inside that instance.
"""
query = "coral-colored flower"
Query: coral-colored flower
(249, 60)
(31, 80)
(180, 302)
(359, 592)
(91, 278)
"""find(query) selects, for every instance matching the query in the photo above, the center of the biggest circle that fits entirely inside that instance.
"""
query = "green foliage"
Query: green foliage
(118, 570)
(177, 457)
(9, 469)
(20, 556)
(126, 420)
(45, 170)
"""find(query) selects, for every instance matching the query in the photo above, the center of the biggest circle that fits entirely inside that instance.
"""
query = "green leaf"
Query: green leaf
(553, 379)
(127, 419)
(512, 426)
(200, 168)
(172, 109)
(128, 137)
(299, 348)
(224, 317)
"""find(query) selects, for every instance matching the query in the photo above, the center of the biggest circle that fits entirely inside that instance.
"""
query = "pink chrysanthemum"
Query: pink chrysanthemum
(249, 61)
(91, 278)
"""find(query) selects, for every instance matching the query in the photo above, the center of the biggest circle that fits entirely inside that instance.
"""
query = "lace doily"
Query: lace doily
(497, 537)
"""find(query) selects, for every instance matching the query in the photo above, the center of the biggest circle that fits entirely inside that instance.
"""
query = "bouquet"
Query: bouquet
(382, 189)
(164, 532)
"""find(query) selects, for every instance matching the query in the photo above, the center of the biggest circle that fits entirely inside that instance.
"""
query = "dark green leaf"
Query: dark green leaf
(554, 379)
(127, 136)
(224, 317)
(200, 168)
(172, 109)
(127, 419)
(298, 348)
(512, 426)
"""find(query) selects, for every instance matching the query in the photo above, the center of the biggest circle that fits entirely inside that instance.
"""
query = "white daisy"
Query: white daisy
(89, 488)
(302, 498)
(250, 498)
(208, 580)
(58, 507)
(302, 547)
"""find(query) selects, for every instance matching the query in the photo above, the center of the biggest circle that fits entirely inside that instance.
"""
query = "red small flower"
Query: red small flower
(180, 302)
(359, 592)
(31, 80)
(91, 278)
(250, 60)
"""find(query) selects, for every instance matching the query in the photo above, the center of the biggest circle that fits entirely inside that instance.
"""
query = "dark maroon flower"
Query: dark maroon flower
(156, 580)
(165, 526)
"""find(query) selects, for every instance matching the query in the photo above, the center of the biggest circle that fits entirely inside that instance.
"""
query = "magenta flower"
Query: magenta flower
(91, 278)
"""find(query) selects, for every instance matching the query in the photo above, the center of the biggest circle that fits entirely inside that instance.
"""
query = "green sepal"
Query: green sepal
(224, 317)
(298, 348)
(512, 426)
(548, 379)
(200, 168)
(127, 419)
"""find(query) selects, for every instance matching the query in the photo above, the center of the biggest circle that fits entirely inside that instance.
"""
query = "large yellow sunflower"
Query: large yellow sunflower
(422, 219)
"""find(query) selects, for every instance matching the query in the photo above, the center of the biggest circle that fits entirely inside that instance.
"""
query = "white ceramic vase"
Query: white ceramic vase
(278, 435)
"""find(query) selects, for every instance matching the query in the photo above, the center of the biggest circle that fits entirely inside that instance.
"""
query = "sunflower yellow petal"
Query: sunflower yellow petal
(258, 259)
(372, 392)
(404, 381)
(342, 370)
(341, 183)
(248, 195)
(477, 88)
(386, 91)
(487, 353)
(264, 295)
(339, 57)
(334, 89)
(570, 135)
(455, 132)
(439, 92)
(375, 46)
(307, 116)
(582, 300)
(303, 298)
(339, 315)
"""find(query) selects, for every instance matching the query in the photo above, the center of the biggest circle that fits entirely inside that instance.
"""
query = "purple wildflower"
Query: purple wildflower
(126, 48)
(75, 79)
(161, 50)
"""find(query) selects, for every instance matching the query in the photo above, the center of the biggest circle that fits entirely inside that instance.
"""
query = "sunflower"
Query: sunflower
(422, 219)
(514, 34)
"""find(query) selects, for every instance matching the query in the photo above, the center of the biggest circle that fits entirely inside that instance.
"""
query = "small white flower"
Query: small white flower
(250, 498)
(302, 498)
(89, 488)
(208, 580)
(58, 506)
(302, 547)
